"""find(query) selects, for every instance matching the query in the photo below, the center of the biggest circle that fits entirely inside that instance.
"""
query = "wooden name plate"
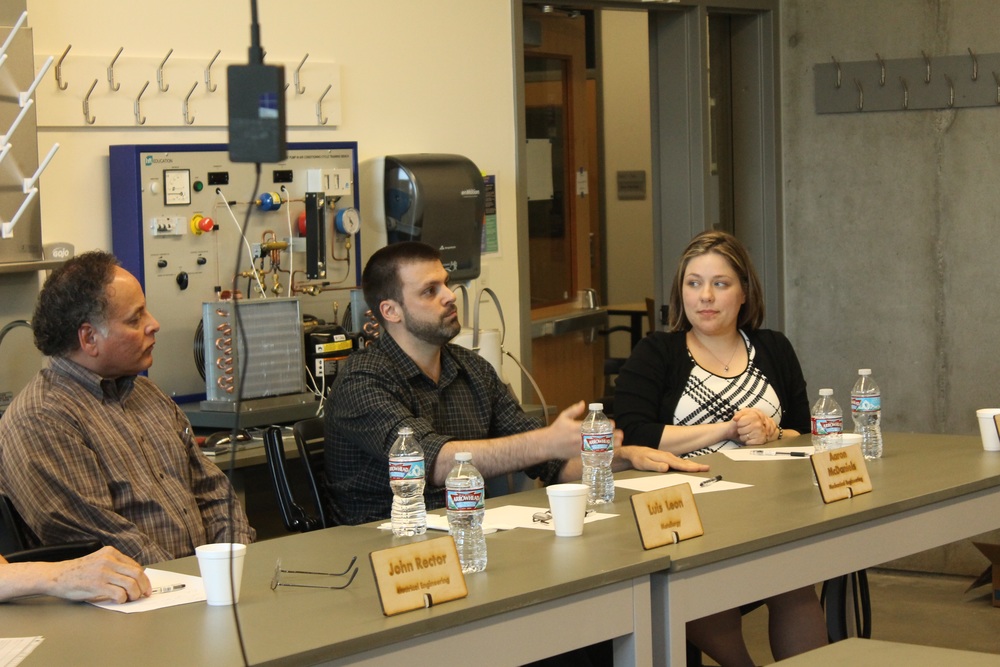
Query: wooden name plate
(666, 516)
(418, 575)
(841, 473)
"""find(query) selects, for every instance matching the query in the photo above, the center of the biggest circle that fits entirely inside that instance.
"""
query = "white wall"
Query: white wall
(416, 77)
(628, 234)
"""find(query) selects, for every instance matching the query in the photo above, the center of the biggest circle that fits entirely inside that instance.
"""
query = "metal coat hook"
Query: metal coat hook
(906, 93)
(975, 65)
(927, 64)
(86, 105)
(319, 107)
(59, 82)
(840, 74)
(159, 73)
(189, 120)
(881, 64)
(299, 89)
(951, 91)
(111, 70)
(208, 73)
(861, 95)
(139, 118)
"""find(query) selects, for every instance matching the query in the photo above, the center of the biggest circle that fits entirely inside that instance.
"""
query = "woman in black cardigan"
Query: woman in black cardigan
(717, 380)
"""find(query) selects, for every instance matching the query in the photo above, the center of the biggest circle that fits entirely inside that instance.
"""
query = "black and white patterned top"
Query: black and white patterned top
(709, 398)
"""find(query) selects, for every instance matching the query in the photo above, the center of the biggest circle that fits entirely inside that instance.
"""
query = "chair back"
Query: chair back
(16, 537)
(293, 514)
(310, 439)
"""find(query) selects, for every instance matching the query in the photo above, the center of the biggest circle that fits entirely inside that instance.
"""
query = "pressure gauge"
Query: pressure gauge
(347, 221)
(177, 187)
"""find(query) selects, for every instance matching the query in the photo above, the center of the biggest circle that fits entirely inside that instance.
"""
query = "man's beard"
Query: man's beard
(433, 333)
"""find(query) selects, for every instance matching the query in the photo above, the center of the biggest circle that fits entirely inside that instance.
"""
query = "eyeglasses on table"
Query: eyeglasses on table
(348, 571)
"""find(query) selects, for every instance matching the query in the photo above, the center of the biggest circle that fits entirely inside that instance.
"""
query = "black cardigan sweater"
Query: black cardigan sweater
(652, 380)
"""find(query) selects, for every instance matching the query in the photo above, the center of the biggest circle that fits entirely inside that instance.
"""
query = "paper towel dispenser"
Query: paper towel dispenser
(440, 200)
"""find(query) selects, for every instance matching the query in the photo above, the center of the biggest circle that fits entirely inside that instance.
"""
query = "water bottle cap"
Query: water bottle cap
(597, 406)
(864, 371)
(405, 430)
(826, 392)
(463, 456)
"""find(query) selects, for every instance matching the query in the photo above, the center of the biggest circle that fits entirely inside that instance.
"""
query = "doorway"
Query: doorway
(709, 157)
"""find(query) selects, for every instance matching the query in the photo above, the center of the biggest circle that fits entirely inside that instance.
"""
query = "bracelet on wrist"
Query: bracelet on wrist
(781, 433)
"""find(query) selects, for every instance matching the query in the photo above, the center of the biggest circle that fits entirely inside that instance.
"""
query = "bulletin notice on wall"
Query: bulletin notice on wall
(491, 242)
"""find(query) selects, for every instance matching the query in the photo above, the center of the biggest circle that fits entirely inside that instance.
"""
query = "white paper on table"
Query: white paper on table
(15, 649)
(654, 482)
(780, 453)
(507, 517)
(519, 516)
(193, 591)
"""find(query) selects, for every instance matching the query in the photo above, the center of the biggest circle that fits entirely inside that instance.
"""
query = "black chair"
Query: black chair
(16, 538)
(310, 445)
(310, 439)
(834, 600)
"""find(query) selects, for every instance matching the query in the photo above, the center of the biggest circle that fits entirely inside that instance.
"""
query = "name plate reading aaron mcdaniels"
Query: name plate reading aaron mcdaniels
(418, 575)
(841, 473)
(666, 516)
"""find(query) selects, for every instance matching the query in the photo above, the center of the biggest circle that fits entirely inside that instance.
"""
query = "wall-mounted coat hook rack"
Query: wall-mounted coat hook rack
(946, 82)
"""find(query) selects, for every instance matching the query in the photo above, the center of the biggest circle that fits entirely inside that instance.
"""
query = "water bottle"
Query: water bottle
(827, 418)
(597, 449)
(465, 495)
(406, 477)
(866, 410)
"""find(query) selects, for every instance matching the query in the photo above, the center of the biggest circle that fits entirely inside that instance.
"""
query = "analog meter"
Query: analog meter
(347, 221)
(177, 187)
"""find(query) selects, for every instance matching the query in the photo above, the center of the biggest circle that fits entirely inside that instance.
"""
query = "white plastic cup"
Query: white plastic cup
(988, 429)
(214, 563)
(568, 504)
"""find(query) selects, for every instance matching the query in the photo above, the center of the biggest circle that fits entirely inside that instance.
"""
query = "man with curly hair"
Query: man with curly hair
(92, 449)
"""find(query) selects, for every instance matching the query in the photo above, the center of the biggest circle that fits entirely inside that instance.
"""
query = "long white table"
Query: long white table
(776, 536)
(542, 595)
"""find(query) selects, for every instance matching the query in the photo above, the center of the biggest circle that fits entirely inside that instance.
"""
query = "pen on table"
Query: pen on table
(712, 480)
(769, 452)
(167, 589)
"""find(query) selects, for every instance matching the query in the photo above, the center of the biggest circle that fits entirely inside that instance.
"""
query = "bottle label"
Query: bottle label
(465, 500)
(597, 442)
(866, 403)
(400, 469)
(826, 425)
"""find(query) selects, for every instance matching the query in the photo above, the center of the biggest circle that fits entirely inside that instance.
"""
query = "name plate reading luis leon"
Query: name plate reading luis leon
(418, 575)
(841, 473)
(666, 516)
